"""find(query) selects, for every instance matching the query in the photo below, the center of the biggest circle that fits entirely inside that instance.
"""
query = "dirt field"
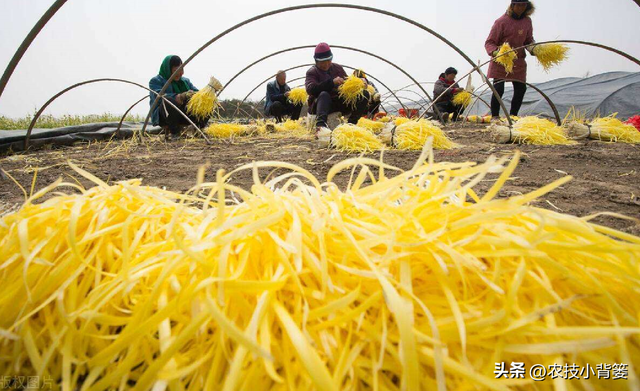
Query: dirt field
(606, 177)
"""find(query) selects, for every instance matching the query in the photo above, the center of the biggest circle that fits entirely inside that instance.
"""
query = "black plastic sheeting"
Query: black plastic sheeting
(14, 139)
(599, 95)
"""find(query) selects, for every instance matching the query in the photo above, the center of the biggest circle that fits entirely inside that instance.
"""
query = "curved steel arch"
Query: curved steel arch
(336, 47)
(56, 96)
(405, 88)
(585, 43)
(321, 5)
(300, 78)
(22, 49)
(127, 112)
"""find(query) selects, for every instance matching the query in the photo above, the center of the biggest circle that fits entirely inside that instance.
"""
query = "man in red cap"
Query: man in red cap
(322, 82)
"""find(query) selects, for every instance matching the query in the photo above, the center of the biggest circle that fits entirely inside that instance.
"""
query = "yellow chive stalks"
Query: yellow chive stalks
(374, 126)
(413, 135)
(550, 54)
(298, 96)
(462, 98)
(351, 90)
(224, 130)
(402, 280)
(204, 103)
(608, 129)
(506, 60)
(353, 138)
(531, 130)
(398, 280)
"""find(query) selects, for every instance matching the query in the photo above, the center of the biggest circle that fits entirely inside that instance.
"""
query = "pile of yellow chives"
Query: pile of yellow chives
(226, 130)
(532, 130)
(506, 60)
(613, 130)
(374, 126)
(405, 280)
(353, 138)
(414, 135)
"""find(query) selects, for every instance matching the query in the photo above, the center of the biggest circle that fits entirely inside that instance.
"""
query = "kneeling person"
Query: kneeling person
(322, 82)
(277, 102)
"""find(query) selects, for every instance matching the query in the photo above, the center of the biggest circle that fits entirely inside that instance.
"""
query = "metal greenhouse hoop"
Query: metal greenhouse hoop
(56, 96)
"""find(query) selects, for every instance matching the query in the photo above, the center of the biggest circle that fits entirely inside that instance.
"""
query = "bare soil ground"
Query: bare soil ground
(606, 176)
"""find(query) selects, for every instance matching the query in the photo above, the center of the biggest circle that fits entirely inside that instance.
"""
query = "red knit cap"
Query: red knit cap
(323, 52)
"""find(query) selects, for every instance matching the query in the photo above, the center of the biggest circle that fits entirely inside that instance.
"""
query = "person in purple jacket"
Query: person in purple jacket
(516, 28)
(322, 82)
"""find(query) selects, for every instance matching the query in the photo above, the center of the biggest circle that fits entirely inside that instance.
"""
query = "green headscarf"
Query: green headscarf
(165, 71)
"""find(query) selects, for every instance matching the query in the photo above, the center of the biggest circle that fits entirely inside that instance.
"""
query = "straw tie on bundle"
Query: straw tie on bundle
(530, 130)
(506, 60)
(204, 103)
(550, 54)
(298, 96)
(404, 280)
(352, 90)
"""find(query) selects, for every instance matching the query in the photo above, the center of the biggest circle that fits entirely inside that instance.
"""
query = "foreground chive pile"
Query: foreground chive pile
(406, 280)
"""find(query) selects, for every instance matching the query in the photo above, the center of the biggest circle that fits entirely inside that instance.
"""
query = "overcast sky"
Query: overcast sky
(129, 38)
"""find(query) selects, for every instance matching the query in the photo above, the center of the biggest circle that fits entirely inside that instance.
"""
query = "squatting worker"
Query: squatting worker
(322, 82)
(443, 91)
(277, 103)
(516, 28)
(179, 92)
(374, 100)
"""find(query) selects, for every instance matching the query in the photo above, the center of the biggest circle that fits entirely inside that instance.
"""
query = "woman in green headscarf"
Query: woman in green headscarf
(179, 92)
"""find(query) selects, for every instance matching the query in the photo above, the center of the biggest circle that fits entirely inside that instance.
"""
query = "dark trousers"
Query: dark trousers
(174, 121)
(519, 89)
(279, 110)
(448, 107)
(325, 105)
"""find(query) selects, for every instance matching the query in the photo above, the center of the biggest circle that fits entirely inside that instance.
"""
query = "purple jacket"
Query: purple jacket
(518, 32)
(317, 81)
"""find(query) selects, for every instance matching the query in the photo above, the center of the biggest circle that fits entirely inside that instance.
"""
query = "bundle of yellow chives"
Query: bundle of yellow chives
(298, 96)
(351, 90)
(550, 54)
(384, 119)
(353, 138)
(531, 130)
(226, 130)
(462, 98)
(204, 103)
(414, 135)
(403, 282)
(506, 60)
(374, 126)
(605, 129)
(292, 127)
(401, 120)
